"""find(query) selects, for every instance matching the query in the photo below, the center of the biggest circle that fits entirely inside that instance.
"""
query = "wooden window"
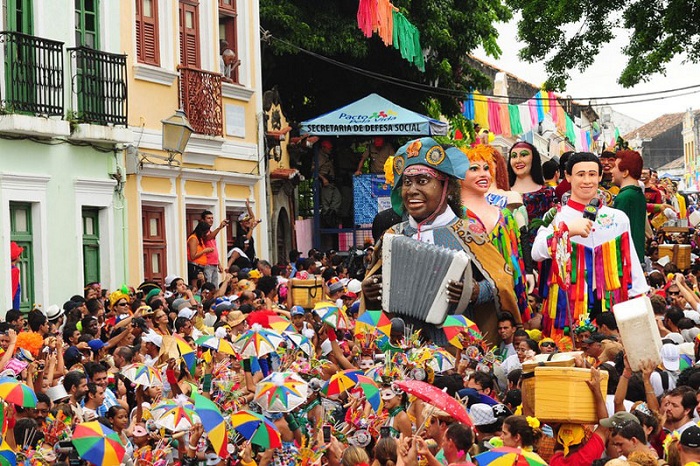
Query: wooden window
(91, 245)
(228, 30)
(189, 34)
(19, 16)
(192, 217)
(21, 233)
(231, 231)
(87, 23)
(147, 47)
(154, 247)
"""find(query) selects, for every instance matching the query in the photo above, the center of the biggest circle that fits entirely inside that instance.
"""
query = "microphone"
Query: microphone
(590, 212)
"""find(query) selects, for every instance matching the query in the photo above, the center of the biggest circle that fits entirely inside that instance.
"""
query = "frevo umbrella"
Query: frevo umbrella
(13, 391)
(301, 342)
(332, 315)
(216, 344)
(256, 429)
(436, 397)
(371, 321)
(179, 348)
(257, 342)
(175, 415)
(454, 325)
(281, 392)
(507, 456)
(213, 423)
(143, 375)
(371, 390)
(341, 381)
(7, 456)
(98, 444)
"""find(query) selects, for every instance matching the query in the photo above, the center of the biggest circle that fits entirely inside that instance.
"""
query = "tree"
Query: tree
(309, 85)
(659, 31)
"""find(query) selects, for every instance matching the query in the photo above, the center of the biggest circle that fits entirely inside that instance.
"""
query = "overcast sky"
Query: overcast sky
(600, 79)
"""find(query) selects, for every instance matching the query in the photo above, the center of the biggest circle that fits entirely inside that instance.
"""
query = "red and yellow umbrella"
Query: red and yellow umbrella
(17, 392)
(342, 381)
(507, 456)
(98, 444)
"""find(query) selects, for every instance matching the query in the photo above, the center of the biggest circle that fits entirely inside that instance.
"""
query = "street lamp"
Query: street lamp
(176, 133)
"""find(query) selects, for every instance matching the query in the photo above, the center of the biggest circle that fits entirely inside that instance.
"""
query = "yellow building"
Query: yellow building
(174, 53)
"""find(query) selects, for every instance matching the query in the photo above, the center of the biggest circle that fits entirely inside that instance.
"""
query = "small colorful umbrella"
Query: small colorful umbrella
(213, 423)
(281, 392)
(177, 347)
(279, 324)
(372, 392)
(98, 444)
(256, 429)
(341, 381)
(442, 361)
(257, 342)
(216, 344)
(176, 415)
(454, 325)
(143, 375)
(371, 321)
(329, 313)
(301, 342)
(507, 456)
(17, 392)
(7, 456)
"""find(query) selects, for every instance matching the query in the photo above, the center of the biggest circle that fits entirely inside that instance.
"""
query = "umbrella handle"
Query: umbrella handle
(431, 410)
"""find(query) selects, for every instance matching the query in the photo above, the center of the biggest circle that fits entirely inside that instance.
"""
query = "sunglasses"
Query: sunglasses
(548, 345)
(122, 304)
(673, 293)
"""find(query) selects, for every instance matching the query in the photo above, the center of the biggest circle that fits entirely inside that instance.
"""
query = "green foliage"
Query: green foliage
(450, 29)
(567, 34)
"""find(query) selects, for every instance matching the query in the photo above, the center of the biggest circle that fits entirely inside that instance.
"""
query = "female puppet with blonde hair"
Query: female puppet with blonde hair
(497, 222)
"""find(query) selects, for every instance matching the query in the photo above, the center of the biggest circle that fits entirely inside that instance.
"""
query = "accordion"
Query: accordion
(415, 277)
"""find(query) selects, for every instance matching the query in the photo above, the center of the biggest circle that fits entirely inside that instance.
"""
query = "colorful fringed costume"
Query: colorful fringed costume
(585, 275)
(506, 237)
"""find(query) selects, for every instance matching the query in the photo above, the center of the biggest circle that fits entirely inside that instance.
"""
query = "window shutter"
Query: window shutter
(189, 35)
(147, 47)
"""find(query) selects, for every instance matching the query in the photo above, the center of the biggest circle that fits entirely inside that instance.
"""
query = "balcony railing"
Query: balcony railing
(200, 98)
(100, 85)
(33, 74)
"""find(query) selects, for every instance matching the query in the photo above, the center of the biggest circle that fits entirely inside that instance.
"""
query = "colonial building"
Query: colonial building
(660, 141)
(174, 50)
(63, 91)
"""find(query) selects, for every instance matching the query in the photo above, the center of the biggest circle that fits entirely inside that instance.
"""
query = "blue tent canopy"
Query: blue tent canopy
(372, 116)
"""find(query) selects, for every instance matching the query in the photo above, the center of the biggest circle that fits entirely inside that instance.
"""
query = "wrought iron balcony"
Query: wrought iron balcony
(33, 74)
(100, 85)
(200, 98)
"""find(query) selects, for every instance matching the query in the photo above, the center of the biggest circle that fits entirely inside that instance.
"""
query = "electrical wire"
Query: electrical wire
(447, 92)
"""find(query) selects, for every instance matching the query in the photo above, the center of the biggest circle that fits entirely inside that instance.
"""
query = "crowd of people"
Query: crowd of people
(224, 367)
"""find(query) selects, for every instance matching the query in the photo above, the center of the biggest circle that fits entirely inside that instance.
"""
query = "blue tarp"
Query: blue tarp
(371, 116)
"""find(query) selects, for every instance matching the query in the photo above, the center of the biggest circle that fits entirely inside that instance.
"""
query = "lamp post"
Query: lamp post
(176, 134)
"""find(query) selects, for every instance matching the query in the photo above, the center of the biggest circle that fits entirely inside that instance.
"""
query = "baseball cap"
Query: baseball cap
(152, 337)
(335, 287)
(350, 295)
(691, 437)
(187, 313)
(692, 315)
(297, 311)
(398, 325)
(254, 274)
(96, 345)
(671, 356)
(243, 217)
(482, 414)
(354, 286)
(617, 419)
(675, 337)
(690, 333)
